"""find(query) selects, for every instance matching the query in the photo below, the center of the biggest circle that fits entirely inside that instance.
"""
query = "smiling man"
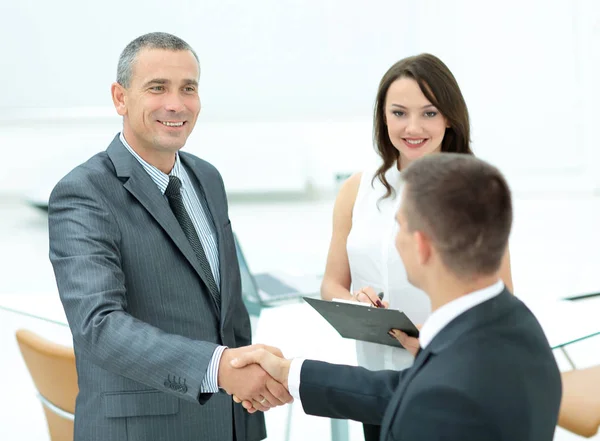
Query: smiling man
(156, 92)
(145, 263)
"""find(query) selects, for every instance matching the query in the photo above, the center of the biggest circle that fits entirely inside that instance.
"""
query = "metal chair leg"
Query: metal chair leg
(339, 430)
(288, 424)
(564, 351)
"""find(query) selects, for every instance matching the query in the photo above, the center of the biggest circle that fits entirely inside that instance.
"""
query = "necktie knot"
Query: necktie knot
(174, 187)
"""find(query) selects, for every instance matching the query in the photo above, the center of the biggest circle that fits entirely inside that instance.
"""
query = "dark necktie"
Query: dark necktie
(173, 194)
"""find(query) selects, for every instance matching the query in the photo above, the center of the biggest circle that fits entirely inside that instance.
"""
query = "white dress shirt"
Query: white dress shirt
(437, 321)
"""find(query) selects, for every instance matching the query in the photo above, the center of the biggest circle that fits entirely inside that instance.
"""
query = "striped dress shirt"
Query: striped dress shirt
(205, 234)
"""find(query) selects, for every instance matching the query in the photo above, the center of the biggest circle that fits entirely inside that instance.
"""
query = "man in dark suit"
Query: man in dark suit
(485, 370)
(145, 263)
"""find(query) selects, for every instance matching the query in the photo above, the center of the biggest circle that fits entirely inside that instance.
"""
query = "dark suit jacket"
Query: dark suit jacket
(488, 375)
(143, 322)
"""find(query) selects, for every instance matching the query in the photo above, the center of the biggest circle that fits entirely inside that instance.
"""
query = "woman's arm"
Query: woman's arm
(336, 281)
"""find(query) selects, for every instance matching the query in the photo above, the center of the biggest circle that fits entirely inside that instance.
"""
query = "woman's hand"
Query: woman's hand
(368, 295)
(411, 344)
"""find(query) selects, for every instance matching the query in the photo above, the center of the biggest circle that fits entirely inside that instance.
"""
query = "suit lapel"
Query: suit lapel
(480, 315)
(420, 361)
(206, 188)
(142, 187)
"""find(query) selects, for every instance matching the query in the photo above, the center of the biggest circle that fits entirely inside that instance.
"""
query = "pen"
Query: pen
(378, 304)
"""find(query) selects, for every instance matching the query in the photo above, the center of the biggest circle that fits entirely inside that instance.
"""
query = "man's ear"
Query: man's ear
(424, 247)
(118, 93)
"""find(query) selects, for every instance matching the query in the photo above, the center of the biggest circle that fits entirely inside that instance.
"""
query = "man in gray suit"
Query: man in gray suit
(145, 263)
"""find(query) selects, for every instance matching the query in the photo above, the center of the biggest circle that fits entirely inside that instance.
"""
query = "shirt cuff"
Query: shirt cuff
(294, 377)
(210, 384)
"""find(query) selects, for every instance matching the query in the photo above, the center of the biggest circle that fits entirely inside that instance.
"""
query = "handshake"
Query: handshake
(256, 376)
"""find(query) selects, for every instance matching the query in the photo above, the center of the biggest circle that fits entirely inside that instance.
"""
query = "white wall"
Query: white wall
(288, 86)
(528, 70)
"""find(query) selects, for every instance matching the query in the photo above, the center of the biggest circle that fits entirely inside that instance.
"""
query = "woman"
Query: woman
(419, 110)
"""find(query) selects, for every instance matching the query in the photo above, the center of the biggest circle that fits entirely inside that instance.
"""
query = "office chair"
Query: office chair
(52, 369)
(580, 405)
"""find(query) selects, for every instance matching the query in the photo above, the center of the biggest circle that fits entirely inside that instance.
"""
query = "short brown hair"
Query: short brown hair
(463, 204)
(441, 89)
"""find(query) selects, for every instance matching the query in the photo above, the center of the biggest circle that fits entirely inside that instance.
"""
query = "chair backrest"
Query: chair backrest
(580, 405)
(52, 368)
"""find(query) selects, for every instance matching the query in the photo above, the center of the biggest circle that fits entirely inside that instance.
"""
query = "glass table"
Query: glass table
(564, 323)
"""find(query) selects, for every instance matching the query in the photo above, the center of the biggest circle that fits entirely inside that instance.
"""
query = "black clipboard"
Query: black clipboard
(364, 323)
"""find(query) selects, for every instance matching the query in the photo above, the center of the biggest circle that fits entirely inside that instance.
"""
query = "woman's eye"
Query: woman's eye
(430, 114)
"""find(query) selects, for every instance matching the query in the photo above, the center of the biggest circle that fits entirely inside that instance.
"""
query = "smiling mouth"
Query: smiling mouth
(414, 142)
(172, 123)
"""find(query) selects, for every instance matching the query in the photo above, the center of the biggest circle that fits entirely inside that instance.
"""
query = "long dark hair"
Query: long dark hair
(440, 87)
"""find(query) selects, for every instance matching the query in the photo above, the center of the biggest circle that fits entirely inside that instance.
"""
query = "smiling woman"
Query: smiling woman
(414, 125)
(419, 111)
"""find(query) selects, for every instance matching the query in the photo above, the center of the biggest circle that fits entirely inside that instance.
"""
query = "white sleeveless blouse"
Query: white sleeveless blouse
(374, 262)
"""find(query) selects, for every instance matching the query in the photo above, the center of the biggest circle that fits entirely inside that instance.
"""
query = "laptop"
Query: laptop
(267, 288)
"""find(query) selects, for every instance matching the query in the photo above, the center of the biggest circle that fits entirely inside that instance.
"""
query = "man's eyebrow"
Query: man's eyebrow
(157, 81)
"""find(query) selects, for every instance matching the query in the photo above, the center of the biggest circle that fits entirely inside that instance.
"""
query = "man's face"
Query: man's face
(161, 105)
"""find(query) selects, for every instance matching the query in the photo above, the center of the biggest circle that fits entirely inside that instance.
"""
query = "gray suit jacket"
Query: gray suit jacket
(143, 322)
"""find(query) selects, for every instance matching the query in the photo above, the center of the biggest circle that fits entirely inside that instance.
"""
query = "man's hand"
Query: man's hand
(273, 363)
(250, 382)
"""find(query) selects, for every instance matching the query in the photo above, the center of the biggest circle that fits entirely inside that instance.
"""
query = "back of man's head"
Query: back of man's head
(463, 205)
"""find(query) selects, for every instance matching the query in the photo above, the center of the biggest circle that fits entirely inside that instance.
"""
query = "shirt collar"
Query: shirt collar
(444, 315)
(160, 179)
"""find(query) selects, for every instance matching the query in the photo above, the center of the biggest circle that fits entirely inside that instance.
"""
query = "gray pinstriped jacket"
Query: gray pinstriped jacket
(144, 328)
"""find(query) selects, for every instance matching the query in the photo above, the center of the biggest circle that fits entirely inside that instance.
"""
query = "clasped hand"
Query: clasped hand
(249, 382)
(262, 372)
(253, 365)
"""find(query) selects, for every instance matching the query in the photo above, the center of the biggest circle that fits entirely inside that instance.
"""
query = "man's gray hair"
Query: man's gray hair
(153, 40)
